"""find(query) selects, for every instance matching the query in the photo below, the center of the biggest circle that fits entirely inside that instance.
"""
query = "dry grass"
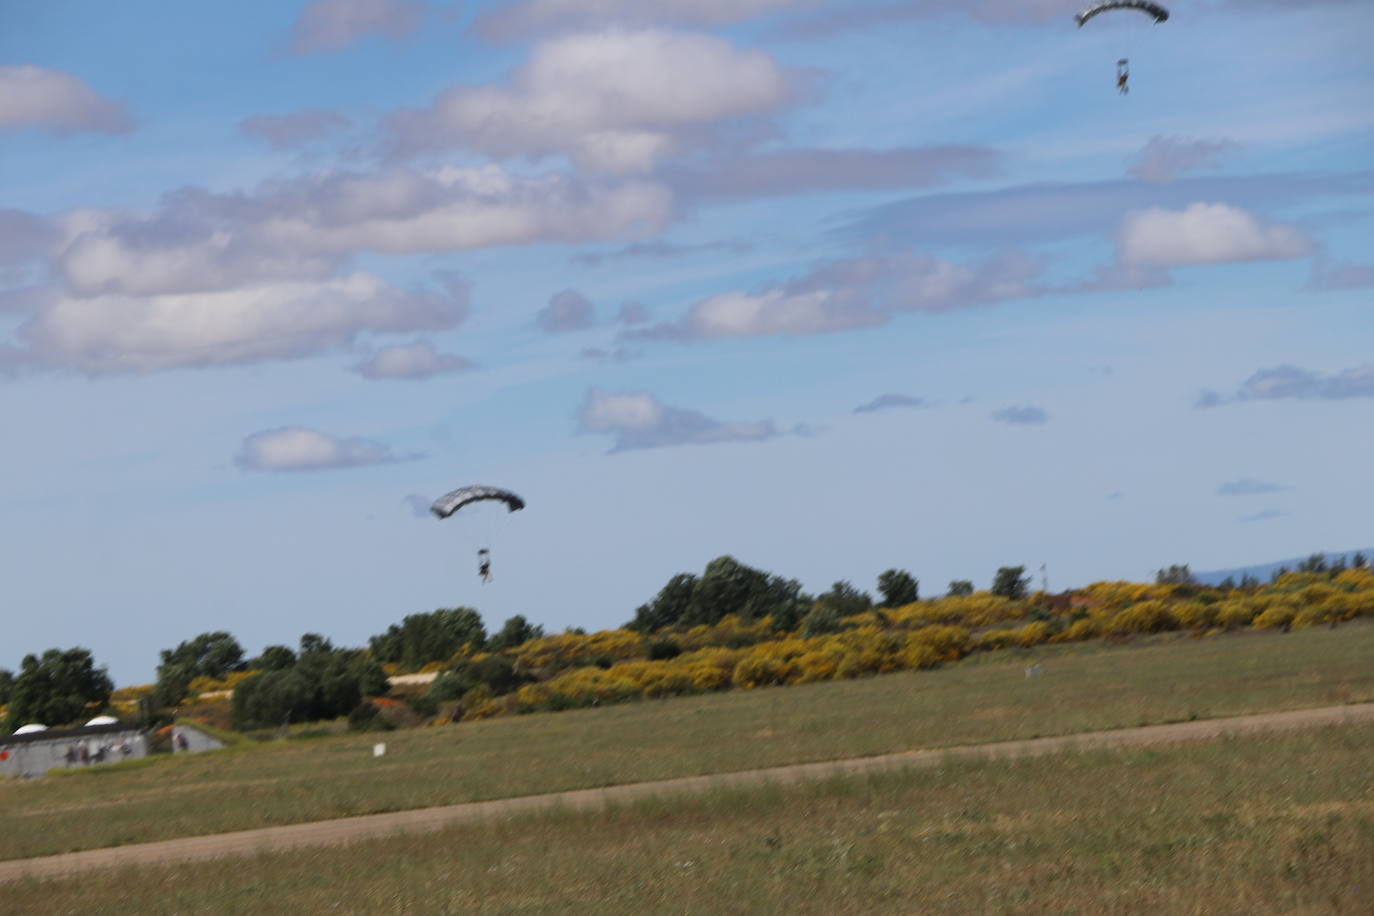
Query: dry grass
(989, 699)
(1253, 825)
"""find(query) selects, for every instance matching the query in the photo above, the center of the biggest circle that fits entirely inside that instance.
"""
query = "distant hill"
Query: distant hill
(1263, 571)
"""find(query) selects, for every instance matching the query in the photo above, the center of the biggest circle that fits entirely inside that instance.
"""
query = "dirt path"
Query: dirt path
(346, 830)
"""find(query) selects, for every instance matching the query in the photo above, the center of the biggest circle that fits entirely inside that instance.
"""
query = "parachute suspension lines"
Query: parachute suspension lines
(450, 503)
(1153, 10)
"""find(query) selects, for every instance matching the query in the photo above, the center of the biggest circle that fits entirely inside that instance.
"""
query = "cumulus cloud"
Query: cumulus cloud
(887, 401)
(567, 310)
(39, 97)
(118, 333)
(296, 128)
(850, 293)
(296, 448)
(1205, 233)
(303, 229)
(532, 17)
(617, 101)
(1021, 415)
(418, 360)
(331, 25)
(636, 420)
(1164, 158)
(1247, 486)
(803, 170)
(1286, 381)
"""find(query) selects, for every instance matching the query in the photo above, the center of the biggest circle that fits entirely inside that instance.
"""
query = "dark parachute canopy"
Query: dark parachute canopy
(450, 503)
(1150, 9)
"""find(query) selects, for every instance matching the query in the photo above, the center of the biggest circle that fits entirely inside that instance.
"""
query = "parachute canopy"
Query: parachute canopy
(1150, 9)
(450, 503)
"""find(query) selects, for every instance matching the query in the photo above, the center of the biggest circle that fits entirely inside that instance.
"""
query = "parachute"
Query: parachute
(1159, 13)
(450, 503)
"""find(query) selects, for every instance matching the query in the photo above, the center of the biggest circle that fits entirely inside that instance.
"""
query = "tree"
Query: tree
(1227, 584)
(324, 683)
(822, 619)
(898, 587)
(960, 588)
(57, 688)
(1176, 574)
(845, 599)
(669, 606)
(516, 631)
(435, 637)
(6, 685)
(725, 587)
(1316, 563)
(273, 658)
(1359, 561)
(1011, 582)
(210, 655)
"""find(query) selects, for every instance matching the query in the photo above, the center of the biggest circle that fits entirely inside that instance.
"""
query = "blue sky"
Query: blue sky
(829, 286)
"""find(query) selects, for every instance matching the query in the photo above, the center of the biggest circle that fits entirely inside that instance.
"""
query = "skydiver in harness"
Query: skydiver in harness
(484, 564)
(1123, 73)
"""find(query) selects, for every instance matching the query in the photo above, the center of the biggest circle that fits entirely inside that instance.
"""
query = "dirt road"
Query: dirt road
(345, 830)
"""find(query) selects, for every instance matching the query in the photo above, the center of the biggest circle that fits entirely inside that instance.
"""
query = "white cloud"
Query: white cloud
(568, 310)
(302, 229)
(296, 448)
(39, 97)
(119, 333)
(1205, 233)
(639, 420)
(851, 293)
(616, 100)
(331, 25)
(1286, 381)
(418, 360)
(1165, 158)
(534, 16)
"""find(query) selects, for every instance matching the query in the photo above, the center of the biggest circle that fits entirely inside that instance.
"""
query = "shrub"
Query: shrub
(663, 649)
(1145, 617)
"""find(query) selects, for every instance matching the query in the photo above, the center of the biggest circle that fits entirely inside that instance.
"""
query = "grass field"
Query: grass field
(1253, 825)
(989, 698)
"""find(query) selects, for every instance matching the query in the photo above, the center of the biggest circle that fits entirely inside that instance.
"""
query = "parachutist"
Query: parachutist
(484, 564)
(1122, 75)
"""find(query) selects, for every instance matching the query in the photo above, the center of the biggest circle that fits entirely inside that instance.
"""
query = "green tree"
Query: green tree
(435, 637)
(57, 688)
(1176, 574)
(845, 599)
(960, 587)
(1316, 563)
(208, 655)
(822, 619)
(273, 658)
(516, 631)
(6, 685)
(1011, 582)
(898, 587)
(669, 606)
(324, 683)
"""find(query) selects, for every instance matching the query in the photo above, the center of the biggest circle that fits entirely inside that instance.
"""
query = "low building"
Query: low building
(35, 753)
(187, 739)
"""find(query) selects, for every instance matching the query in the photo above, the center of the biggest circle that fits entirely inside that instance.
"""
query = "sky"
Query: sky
(831, 287)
